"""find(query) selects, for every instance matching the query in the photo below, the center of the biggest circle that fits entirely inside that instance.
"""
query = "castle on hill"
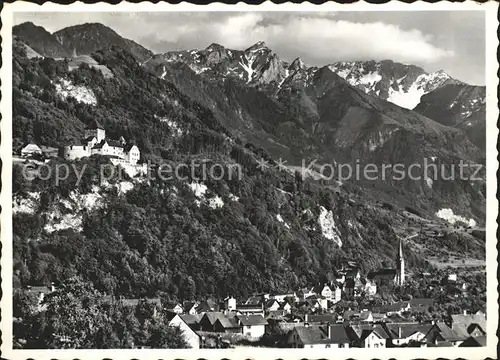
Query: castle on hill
(96, 143)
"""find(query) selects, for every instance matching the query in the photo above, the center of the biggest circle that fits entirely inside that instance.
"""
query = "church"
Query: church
(96, 143)
(389, 275)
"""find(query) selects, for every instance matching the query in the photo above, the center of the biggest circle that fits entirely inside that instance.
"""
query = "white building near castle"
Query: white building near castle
(95, 143)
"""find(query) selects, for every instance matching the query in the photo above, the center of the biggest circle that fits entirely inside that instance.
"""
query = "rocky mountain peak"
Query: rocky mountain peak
(260, 45)
(297, 64)
(215, 47)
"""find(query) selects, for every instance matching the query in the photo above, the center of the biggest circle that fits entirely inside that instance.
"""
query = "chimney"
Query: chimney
(399, 332)
(306, 318)
(52, 287)
(465, 312)
(329, 328)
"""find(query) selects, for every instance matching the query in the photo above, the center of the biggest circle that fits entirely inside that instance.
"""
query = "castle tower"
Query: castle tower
(95, 129)
(400, 266)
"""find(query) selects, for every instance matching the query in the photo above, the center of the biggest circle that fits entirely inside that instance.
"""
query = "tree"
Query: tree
(165, 336)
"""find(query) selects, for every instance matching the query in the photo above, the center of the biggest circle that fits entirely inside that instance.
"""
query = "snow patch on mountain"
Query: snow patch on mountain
(328, 227)
(246, 63)
(448, 215)
(424, 84)
(404, 99)
(163, 74)
(400, 84)
(82, 94)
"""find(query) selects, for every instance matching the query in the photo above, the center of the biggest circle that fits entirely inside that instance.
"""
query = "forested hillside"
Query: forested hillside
(270, 231)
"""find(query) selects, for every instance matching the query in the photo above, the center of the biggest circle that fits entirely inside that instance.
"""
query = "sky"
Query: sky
(450, 40)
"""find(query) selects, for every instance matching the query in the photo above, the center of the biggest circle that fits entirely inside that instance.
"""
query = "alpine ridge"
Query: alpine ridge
(459, 105)
(398, 83)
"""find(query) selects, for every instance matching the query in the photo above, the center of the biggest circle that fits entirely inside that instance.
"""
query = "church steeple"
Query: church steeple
(400, 265)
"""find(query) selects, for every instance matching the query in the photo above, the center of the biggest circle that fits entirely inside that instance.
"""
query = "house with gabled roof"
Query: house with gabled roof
(330, 336)
(317, 302)
(424, 303)
(250, 309)
(367, 336)
(252, 325)
(256, 300)
(207, 306)
(272, 305)
(283, 297)
(440, 332)
(227, 324)
(285, 307)
(230, 303)
(353, 287)
(478, 341)
(469, 319)
(406, 333)
(383, 276)
(396, 308)
(324, 290)
(467, 325)
(190, 336)
(192, 320)
(30, 149)
(304, 293)
(190, 307)
(174, 307)
(208, 320)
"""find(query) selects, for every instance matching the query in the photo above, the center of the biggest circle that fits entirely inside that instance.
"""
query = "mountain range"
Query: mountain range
(237, 106)
(401, 84)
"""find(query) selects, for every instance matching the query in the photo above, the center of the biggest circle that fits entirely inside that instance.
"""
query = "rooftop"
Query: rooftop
(252, 320)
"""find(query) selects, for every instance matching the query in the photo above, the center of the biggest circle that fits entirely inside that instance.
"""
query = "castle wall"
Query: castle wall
(74, 152)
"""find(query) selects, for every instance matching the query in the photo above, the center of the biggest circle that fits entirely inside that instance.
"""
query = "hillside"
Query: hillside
(461, 106)
(76, 40)
(325, 119)
(40, 40)
(86, 38)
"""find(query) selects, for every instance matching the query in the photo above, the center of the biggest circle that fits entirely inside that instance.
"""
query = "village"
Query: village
(341, 313)
(345, 311)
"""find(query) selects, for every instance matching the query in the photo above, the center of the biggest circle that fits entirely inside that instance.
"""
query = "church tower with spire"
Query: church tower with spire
(400, 265)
